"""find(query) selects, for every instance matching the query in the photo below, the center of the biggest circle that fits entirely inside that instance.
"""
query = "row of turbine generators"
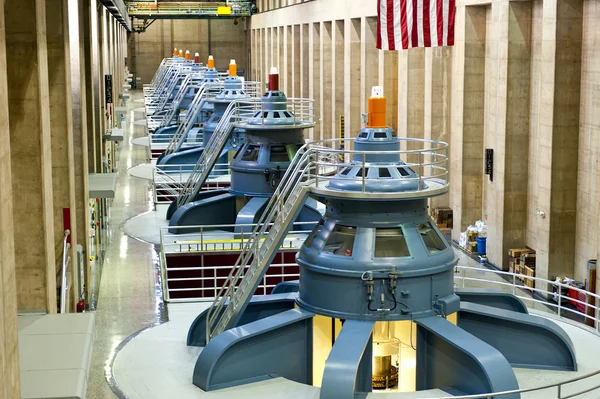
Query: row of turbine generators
(374, 305)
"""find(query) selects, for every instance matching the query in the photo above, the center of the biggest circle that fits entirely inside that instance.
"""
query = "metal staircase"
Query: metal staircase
(257, 254)
(162, 69)
(164, 84)
(158, 119)
(212, 151)
(190, 83)
(178, 78)
(190, 119)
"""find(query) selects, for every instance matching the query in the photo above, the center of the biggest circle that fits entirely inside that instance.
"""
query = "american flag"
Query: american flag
(403, 24)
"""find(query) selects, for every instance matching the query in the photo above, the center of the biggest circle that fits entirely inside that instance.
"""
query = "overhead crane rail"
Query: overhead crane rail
(188, 9)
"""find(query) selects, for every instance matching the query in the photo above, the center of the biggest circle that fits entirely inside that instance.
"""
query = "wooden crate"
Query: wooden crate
(530, 272)
(517, 252)
(528, 259)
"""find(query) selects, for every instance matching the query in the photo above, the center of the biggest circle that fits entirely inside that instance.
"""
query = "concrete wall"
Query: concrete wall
(220, 38)
(522, 79)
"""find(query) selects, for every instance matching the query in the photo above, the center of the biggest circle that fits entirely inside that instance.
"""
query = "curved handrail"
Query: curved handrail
(559, 308)
(65, 260)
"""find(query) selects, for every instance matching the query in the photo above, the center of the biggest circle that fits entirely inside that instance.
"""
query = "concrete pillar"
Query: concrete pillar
(61, 122)
(587, 245)
(30, 141)
(513, 127)
(411, 90)
(95, 91)
(468, 83)
(438, 73)
(82, 120)
(388, 79)
(558, 133)
(304, 60)
(296, 54)
(327, 79)
(370, 71)
(315, 91)
(284, 73)
(281, 51)
(338, 72)
(352, 61)
(9, 350)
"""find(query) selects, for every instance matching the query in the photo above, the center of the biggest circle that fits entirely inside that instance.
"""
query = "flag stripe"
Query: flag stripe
(440, 23)
(415, 23)
(451, 18)
(390, 25)
(426, 32)
(378, 27)
(404, 24)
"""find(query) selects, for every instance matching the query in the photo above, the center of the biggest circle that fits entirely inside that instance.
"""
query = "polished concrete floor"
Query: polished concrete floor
(129, 298)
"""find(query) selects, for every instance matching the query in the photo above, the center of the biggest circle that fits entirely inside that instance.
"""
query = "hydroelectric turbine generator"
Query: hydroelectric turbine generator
(274, 132)
(375, 306)
(233, 89)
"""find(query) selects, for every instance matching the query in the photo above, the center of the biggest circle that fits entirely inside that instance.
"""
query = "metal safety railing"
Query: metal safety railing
(204, 91)
(64, 289)
(212, 152)
(168, 181)
(477, 277)
(217, 239)
(167, 83)
(163, 118)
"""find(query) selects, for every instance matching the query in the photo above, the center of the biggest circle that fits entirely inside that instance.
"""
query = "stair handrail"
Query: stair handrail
(178, 138)
(201, 170)
(164, 100)
(164, 83)
(161, 70)
(65, 262)
(299, 168)
(161, 81)
(190, 84)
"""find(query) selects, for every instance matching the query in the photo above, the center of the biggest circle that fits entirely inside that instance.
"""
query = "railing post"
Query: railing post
(202, 237)
(559, 293)
(316, 169)
(363, 172)
(559, 391)
(514, 285)
(420, 170)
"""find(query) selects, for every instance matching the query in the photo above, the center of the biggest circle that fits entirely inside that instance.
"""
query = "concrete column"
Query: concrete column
(558, 132)
(326, 79)
(30, 141)
(468, 83)
(61, 120)
(587, 245)
(352, 78)
(315, 91)
(438, 74)
(370, 71)
(94, 93)
(304, 48)
(284, 74)
(9, 350)
(281, 50)
(513, 127)
(296, 55)
(411, 89)
(81, 91)
(388, 76)
(338, 76)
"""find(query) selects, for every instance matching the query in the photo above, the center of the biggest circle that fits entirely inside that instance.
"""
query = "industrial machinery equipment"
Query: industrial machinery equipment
(274, 132)
(375, 306)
